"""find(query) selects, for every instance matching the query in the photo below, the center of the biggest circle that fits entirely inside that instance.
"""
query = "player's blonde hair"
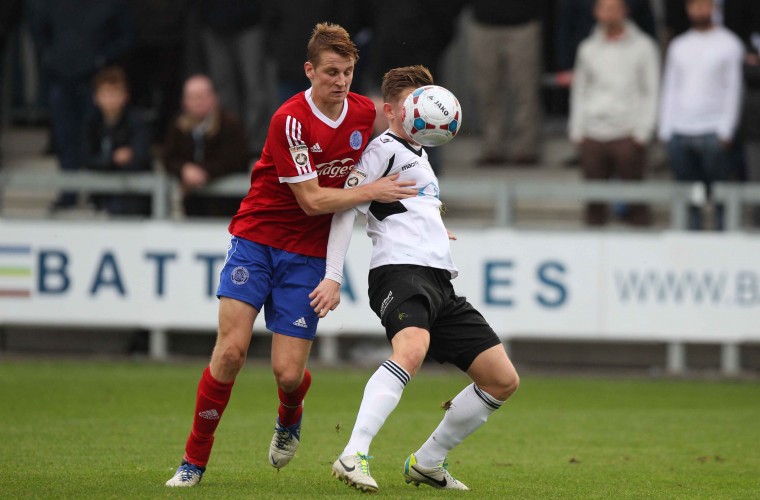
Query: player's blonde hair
(333, 38)
(397, 80)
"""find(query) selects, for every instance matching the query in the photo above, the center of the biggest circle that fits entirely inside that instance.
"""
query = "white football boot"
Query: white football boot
(437, 477)
(284, 444)
(354, 471)
(187, 475)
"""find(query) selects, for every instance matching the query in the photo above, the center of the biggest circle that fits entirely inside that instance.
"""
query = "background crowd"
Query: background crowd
(192, 83)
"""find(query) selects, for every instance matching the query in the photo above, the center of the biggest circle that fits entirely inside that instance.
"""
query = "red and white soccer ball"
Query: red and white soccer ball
(431, 115)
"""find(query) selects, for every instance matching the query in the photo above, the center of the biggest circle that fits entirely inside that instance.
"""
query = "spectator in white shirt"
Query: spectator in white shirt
(701, 98)
(614, 103)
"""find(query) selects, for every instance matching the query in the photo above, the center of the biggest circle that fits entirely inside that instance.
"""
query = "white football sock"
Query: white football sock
(469, 410)
(381, 395)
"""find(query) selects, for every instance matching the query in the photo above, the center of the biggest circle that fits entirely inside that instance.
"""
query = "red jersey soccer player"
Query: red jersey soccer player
(279, 238)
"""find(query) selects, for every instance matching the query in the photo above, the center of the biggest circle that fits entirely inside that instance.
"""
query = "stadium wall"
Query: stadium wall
(669, 286)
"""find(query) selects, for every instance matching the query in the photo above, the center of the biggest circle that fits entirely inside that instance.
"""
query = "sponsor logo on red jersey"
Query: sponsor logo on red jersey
(336, 168)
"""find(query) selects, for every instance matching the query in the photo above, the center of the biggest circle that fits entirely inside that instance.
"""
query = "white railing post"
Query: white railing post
(730, 359)
(676, 358)
(158, 345)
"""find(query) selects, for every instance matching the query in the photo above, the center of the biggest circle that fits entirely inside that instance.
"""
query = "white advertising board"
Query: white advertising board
(638, 286)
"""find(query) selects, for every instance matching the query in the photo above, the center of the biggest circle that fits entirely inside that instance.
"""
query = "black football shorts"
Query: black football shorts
(404, 295)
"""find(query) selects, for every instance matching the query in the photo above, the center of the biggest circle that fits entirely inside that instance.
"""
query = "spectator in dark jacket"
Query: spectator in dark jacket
(78, 37)
(743, 18)
(155, 66)
(10, 12)
(203, 144)
(116, 141)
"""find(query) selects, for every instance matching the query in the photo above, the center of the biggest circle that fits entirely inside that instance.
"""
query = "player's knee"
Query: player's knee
(287, 377)
(507, 385)
(512, 384)
(230, 358)
(411, 358)
(501, 385)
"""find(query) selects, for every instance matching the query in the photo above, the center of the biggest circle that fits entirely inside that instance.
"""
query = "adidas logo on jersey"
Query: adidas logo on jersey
(301, 322)
(315, 148)
(209, 415)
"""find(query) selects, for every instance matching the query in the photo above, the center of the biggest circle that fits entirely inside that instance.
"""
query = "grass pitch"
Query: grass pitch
(117, 430)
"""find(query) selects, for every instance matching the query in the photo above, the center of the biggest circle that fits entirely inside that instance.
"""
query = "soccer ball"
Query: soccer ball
(431, 115)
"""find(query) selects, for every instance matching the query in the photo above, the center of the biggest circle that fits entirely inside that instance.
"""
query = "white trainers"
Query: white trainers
(354, 471)
(284, 444)
(187, 475)
(437, 477)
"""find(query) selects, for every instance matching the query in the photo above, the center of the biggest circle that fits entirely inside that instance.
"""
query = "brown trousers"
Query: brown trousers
(622, 159)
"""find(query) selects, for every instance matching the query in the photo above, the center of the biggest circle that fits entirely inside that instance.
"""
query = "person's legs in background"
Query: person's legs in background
(487, 60)
(595, 165)
(523, 52)
(70, 103)
(629, 158)
(686, 166)
(249, 51)
(752, 154)
(716, 165)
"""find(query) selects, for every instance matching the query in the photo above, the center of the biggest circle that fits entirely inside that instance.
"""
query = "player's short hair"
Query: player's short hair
(111, 75)
(397, 80)
(333, 38)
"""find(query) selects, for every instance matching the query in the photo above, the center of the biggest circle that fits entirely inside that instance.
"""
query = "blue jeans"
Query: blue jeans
(699, 158)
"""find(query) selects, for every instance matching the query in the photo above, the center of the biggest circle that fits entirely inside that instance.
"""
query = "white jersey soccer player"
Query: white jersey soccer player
(410, 290)
(404, 232)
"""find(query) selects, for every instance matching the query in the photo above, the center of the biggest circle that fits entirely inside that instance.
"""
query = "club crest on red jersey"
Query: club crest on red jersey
(356, 139)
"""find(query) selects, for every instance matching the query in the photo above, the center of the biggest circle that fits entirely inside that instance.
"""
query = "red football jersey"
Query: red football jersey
(302, 144)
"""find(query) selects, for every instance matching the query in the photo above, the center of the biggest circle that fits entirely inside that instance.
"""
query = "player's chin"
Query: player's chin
(338, 96)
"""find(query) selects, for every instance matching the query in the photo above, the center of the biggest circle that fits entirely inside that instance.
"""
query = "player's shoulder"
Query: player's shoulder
(296, 107)
(388, 145)
(361, 103)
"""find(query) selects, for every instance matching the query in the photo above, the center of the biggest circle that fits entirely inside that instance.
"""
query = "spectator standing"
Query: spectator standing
(701, 98)
(614, 103)
(743, 18)
(575, 21)
(234, 41)
(10, 14)
(155, 67)
(506, 54)
(77, 38)
(116, 140)
(204, 143)
(399, 40)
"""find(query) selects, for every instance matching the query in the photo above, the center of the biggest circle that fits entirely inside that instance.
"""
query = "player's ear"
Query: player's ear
(308, 68)
(388, 110)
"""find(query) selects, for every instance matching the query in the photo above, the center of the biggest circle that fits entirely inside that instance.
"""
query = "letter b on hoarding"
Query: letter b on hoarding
(52, 275)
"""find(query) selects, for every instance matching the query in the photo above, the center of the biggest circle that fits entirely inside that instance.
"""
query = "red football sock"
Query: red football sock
(210, 402)
(291, 403)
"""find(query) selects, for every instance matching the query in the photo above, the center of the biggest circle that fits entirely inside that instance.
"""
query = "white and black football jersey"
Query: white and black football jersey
(408, 231)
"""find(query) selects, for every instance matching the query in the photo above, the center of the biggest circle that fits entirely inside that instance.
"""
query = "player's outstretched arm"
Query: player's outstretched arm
(326, 296)
(317, 200)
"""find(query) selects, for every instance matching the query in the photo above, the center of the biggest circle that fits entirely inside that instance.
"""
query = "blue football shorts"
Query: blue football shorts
(277, 280)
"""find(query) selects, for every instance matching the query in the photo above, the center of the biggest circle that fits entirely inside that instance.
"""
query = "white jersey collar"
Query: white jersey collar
(322, 117)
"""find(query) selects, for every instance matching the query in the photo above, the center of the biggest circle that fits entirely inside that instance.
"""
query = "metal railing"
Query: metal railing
(502, 194)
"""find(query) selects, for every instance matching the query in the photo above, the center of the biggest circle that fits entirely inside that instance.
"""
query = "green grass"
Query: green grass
(117, 430)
